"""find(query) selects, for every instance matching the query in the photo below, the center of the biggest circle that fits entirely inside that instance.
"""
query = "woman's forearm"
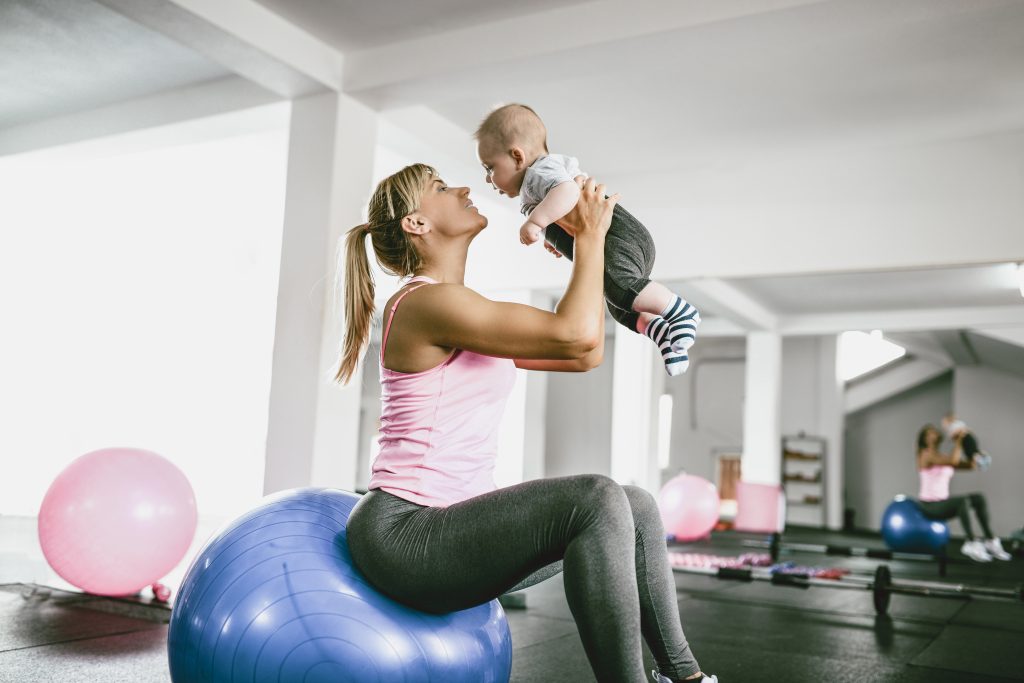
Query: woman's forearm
(958, 453)
(582, 307)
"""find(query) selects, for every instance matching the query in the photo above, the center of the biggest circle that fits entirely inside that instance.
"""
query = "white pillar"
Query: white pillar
(313, 426)
(521, 436)
(535, 417)
(831, 421)
(762, 423)
(634, 459)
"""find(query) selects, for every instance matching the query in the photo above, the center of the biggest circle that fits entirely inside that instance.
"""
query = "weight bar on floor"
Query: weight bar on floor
(881, 585)
(776, 546)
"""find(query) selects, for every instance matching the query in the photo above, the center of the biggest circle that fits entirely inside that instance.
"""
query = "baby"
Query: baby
(955, 428)
(512, 146)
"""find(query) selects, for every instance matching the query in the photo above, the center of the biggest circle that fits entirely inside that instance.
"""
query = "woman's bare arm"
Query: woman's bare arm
(454, 316)
(953, 458)
(588, 362)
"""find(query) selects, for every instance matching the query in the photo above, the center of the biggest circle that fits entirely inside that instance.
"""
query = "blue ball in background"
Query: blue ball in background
(274, 596)
(906, 529)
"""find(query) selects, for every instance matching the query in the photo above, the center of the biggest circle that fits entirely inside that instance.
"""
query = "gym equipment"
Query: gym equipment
(689, 507)
(776, 547)
(116, 520)
(760, 508)
(881, 585)
(677, 559)
(274, 596)
(905, 528)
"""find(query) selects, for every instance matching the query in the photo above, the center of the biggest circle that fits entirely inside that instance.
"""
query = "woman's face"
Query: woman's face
(449, 210)
(931, 438)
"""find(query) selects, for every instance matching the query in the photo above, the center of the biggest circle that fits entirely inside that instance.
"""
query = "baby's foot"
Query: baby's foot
(676, 362)
(683, 319)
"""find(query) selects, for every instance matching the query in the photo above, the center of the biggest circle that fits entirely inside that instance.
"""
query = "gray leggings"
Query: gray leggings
(609, 539)
(959, 506)
(628, 260)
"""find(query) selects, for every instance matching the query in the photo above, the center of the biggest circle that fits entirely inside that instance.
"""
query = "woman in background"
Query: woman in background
(935, 470)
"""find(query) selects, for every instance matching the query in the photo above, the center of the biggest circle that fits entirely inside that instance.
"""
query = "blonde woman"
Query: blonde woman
(433, 531)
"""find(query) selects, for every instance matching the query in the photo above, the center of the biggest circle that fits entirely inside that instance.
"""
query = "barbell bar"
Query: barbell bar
(776, 546)
(881, 585)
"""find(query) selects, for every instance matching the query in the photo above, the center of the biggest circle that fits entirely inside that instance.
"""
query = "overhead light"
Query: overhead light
(1020, 277)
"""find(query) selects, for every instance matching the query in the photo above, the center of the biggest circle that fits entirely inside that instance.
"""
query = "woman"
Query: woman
(935, 469)
(433, 532)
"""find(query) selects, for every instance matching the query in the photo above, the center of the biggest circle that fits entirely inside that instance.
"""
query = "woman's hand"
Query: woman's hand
(592, 214)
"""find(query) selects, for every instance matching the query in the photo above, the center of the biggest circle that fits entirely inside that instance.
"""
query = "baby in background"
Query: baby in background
(512, 147)
(956, 428)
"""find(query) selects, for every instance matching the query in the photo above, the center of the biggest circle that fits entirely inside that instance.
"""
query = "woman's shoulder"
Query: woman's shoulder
(926, 457)
(432, 301)
(923, 457)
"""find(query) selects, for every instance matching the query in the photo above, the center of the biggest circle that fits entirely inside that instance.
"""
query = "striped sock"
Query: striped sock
(682, 319)
(676, 362)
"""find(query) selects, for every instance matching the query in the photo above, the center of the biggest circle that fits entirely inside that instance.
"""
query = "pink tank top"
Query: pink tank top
(935, 482)
(439, 427)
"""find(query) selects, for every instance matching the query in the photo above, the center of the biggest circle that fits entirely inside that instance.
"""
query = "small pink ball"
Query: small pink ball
(689, 507)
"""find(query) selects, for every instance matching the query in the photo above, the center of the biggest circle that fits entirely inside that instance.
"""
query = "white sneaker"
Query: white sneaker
(976, 551)
(994, 547)
(658, 678)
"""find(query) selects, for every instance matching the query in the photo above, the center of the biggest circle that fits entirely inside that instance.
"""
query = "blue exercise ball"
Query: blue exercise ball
(905, 528)
(274, 596)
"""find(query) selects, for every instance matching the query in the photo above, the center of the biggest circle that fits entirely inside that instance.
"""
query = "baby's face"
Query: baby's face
(503, 173)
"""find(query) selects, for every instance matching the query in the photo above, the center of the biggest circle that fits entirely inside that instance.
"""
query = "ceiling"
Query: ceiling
(813, 78)
(757, 80)
(356, 24)
(65, 56)
(938, 288)
(810, 77)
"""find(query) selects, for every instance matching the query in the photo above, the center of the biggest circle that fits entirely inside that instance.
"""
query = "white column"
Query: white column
(634, 459)
(762, 424)
(313, 427)
(535, 417)
(831, 421)
(659, 380)
(521, 433)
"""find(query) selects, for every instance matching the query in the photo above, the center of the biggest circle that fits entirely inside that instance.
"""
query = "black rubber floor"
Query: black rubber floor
(740, 631)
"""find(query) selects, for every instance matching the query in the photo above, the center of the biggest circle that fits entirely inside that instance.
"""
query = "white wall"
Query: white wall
(992, 403)
(716, 419)
(138, 281)
(880, 443)
(707, 407)
(874, 208)
(880, 446)
(579, 407)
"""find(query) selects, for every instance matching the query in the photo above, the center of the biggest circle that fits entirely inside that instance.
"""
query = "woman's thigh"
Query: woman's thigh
(942, 509)
(444, 559)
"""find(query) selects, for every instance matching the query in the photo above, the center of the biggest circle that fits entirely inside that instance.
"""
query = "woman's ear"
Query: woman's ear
(414, 224)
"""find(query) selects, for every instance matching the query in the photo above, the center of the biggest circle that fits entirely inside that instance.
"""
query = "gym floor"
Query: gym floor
(740, 631)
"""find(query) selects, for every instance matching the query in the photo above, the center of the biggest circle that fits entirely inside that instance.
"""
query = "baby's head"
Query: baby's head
(508, 141)
(951, 424)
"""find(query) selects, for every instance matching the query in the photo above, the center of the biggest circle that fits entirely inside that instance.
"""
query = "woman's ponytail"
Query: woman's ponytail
(358, 301)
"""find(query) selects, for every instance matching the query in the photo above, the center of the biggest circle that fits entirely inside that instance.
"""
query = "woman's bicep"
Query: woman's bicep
(458, 317)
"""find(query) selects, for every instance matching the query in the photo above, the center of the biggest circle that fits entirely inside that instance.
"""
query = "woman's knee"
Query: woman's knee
(978, 500)
(605, 496)
(644, 506)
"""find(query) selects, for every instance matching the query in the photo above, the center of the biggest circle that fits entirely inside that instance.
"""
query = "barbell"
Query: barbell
(776, 546)
(881, 584)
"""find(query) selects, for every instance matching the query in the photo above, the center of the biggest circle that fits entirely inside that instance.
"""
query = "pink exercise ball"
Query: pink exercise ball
(116, 520)
(689, 507)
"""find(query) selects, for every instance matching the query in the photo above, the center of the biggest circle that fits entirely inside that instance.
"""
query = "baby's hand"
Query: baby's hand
(530, 233)
(547, 245)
